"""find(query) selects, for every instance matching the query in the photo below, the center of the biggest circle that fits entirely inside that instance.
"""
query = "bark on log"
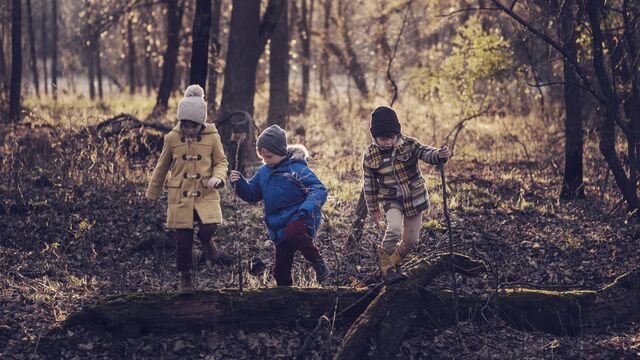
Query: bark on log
(395, 309)
(122, 123)
(137, 314)
(382, 317)
(400, 307)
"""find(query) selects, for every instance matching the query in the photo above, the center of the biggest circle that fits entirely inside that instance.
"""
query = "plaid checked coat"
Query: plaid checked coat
(395, 179)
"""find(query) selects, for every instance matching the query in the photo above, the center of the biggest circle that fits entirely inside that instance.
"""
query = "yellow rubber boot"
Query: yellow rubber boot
(390, 266)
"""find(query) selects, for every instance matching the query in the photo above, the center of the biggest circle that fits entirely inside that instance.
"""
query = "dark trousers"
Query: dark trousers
(295, 238)
(184, 242)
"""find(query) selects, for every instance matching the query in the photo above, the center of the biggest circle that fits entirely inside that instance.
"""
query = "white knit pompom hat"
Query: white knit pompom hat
(192, 106)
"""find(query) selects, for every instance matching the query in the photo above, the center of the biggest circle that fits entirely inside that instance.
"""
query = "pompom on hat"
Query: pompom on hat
(192, 107)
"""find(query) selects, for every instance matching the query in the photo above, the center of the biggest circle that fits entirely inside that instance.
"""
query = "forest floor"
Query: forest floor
(76, 228)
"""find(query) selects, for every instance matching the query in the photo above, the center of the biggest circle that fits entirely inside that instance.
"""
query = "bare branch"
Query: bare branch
(555, 45)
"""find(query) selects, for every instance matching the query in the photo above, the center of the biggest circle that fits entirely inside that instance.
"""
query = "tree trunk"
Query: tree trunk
(148, 70)
(239, 81)
(96, 53)
(3, 66)
(214, 45)
(200, 43)
(16, 61)
(90, 59)
(132, 57)
(353, 68)
(607, 133)
(247, 38)
(350, 59)
(279, 72)
(324, 62)
(572, 186)
(54, 49)
(304, 30)
(631, 103)
(32, 47)
(170, 58)
(43, 48)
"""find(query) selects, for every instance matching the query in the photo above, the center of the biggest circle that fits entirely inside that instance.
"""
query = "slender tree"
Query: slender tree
(612, 114)
(175, 10)
(200, 43)
(247, 38)
(43, 48)
(132, 56)
(214, 44)
(91, 72)
(32, 47)
(3, 63)
(98, 57)
(146, 42)
(54, 49)
(349, 58)
(16, 61)
(324, 58)
(304, 30)
(279, 71)
(572, 187)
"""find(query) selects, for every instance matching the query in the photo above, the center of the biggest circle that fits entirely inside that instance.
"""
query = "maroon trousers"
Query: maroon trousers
(295, 238)
(184, 242)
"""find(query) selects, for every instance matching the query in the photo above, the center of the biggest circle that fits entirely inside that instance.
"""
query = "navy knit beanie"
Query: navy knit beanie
(384, 120)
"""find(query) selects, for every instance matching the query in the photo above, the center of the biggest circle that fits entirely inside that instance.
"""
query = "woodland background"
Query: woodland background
(539, 100)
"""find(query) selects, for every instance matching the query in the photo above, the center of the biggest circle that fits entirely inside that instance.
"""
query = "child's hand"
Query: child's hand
(234, 176)
(444, 153)
(214, 182)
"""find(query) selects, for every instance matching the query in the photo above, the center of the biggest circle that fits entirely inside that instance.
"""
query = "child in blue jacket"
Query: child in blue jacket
(293, 196)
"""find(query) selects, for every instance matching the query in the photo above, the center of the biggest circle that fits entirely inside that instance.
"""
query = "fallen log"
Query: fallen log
(378, 317)
(409, 304)
(395, 310)
(125, 122)
(138, 314)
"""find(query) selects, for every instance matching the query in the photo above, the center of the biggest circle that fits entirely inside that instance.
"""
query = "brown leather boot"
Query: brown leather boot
(186, 282)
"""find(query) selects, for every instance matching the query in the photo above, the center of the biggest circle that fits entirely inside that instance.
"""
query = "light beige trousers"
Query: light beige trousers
(402, 231)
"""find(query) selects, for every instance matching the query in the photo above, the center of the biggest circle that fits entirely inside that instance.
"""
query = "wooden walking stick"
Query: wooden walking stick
(450, 232)
(238, 138)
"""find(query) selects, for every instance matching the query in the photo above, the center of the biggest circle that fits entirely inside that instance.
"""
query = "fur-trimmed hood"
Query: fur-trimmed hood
(298, 152)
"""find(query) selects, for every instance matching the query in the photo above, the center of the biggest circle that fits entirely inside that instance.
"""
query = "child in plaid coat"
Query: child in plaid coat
(392, 178)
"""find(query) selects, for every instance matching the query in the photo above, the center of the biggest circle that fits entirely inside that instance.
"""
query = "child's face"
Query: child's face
(190, 128)
(269, 158)
(387, 141)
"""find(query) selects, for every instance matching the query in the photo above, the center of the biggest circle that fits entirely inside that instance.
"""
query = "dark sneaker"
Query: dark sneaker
(322, 270)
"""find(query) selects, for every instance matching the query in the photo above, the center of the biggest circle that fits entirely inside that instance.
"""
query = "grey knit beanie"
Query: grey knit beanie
(192, 106)
(273, 139)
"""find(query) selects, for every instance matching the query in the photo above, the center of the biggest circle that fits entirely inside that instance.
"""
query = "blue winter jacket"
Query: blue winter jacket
(290, 190)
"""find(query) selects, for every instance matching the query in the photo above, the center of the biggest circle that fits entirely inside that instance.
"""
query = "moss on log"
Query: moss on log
(556, 312)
